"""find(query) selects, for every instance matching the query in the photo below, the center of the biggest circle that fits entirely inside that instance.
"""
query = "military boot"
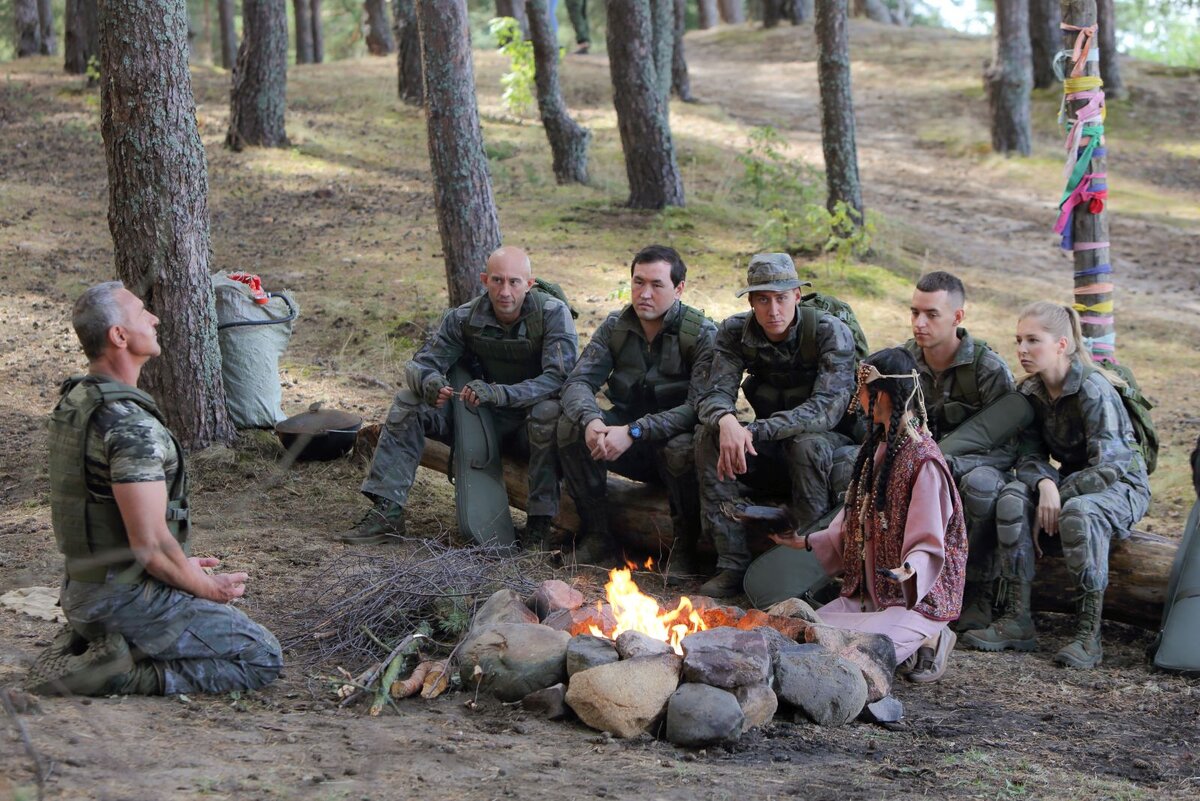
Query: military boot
(724, 584)
(1084, 650)
(383, 522)
(71, 665)
(1014, 630)
(595, 544)
(536, 536)
(144, 678)
(978, 599)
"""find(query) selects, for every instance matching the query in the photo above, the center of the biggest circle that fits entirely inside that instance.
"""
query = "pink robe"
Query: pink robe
(924, 549)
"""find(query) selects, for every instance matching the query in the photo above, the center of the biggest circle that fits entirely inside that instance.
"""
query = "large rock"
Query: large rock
(550, 703)
(505, 606)
(516, 659)
(716, 614)
(585, 651)
(794, 607)
(791, 627)
(580, 621)
(626, 697)
(874, 654)
(699, 715)
(726, 658)
(632, 644)
(829, 690)
(552, 595)
(759, 704)
(776, 642)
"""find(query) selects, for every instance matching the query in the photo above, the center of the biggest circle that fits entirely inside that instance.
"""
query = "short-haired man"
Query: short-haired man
(144, 617)
(799, 363)
(520, 345)
(645, 356)
(960, 376)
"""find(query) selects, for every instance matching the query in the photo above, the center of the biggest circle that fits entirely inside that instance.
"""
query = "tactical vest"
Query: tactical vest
(774, 384)
(90, 533)
(509, 360)
(638, 387)
(963, 401)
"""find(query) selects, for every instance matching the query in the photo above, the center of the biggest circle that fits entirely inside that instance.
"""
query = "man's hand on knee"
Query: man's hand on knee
(436, 390)
(477, 392)
(735, 443)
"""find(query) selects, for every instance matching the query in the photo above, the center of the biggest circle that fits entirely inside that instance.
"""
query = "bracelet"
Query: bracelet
(807, 544)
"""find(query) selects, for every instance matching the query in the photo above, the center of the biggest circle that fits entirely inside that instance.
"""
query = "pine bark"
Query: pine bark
(516, 10)
(681, 84)
(1044, 39)
(259, 96)
(772, 12)
(802, 11)
(49, 43)
(379, 29)
(466, 209)
(837, 105)
(318, 32)
(302, 17)
(1009, 79)
(408, 52)
(1106, 34)
(709, 15)
(662, 23)
(158, 207)
(82, 36)
(733, 12)
(874, 10)
(1089, 228)
(568, 139)
(642, 114)
(229, 42)
(27, 28)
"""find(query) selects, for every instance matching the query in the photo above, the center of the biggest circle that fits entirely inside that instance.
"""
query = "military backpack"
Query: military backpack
(841, 310)
(1137, 405)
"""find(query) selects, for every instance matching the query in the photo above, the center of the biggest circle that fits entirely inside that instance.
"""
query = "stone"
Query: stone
(726, 658)
(828, 689)
(586, 651)
(552, 595)
(700, 715)
(791, 627)
(625, 698)
(775, 641)
(874, 654)
(759, 704)
(632, 644)
(549, 703)
(516, 659)
(794, 607)
(716, 614)
(886, 710)
(504, 606)
(580, 621)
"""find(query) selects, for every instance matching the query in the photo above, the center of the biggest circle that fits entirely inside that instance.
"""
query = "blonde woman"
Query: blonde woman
(1098, 491)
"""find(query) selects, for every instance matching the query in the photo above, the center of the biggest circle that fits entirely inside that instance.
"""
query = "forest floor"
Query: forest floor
(344, 218)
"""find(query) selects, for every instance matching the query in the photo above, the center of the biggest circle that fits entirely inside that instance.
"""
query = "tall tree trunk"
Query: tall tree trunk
(516, 10)
(28, 28)
(802, 11)
(1009, 79)
(379, 29)
(302, 14)
(837, 106)
(49, 45)
(82, 36)
(772, 13)
(709, 15)
(681, 85)
(1094, 276)
(158, 207)
(1106, 32)
(875, 10)
(568, 140)
(259, 96)
(462, 189)
(1044, 39)
(318, 33)
(229, 42)
(408, 52)
(662, 23)
(642, 115)
(733, 12)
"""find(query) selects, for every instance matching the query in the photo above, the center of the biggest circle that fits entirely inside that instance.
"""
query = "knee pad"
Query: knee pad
(680, 454)
(543, 422)
(1012, 518)
(567, 432)
(980, 490)
(404, 405)
(1073, 521)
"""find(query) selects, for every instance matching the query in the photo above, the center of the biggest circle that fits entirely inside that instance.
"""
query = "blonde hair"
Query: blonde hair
(1059, 321)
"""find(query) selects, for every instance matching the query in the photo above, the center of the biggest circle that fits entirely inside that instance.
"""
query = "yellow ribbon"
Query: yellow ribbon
(1099, 308)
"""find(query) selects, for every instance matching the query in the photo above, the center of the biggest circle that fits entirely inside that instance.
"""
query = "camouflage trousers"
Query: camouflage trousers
(524, 432)
(669, 463)
(1086, 526)
(799, 466)
(196, 645)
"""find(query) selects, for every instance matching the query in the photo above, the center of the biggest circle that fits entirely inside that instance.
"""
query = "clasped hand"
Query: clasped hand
(606, 443)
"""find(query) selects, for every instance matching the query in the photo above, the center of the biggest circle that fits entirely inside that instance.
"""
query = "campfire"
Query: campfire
(635, 611)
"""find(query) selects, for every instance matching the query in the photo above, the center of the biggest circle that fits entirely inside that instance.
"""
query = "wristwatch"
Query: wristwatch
(752, 428)
(635, 431)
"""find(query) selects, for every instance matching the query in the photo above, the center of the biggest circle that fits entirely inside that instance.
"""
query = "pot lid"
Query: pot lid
(319, 421)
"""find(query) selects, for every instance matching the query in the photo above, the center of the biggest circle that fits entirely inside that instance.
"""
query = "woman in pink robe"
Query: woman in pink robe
(899, 542)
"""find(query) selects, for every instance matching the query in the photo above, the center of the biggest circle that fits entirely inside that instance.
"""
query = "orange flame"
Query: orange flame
(635, 611)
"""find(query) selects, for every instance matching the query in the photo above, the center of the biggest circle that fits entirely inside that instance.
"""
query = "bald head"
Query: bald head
(509, 257)
(507, 279)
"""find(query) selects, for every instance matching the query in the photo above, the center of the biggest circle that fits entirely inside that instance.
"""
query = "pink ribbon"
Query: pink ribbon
(1096, 319)
(1082, 194)
(1089, 246)
(1083, 44)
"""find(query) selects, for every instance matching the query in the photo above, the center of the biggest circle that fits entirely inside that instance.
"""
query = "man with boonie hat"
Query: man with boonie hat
(798, 364)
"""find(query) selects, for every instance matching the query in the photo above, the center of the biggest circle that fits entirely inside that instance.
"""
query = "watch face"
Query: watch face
(635, 431)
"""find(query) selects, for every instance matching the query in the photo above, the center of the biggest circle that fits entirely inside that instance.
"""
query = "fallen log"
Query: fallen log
(1139, 567)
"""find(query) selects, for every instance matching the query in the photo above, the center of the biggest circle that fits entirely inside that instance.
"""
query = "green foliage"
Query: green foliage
(622, 292)
(518, 82)
(775, 179)
(93, 70)
(453, 616)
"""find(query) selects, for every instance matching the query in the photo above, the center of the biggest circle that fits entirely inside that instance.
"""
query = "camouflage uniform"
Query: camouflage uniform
(195, 645)
(526, 414)
(795, 445)
(1101, 479)
(664, 453)
(949, 401)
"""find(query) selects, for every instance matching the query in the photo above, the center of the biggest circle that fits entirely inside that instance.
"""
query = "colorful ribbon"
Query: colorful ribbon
(1099, 269)
(1103, 307)
(1094, 289)
(1091, 190)
(1081, 53)
(1094, 319)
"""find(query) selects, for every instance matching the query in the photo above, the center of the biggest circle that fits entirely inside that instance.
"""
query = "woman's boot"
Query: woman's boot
(1084, 650)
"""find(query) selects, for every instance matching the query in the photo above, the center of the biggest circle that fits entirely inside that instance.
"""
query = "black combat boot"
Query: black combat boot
(1084, 650)
(978, 599)
(383, 522)
(536, 536)
(1014, 629)
(595, 544)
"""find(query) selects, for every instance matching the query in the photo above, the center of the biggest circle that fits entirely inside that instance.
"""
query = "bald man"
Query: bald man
(519, 345)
